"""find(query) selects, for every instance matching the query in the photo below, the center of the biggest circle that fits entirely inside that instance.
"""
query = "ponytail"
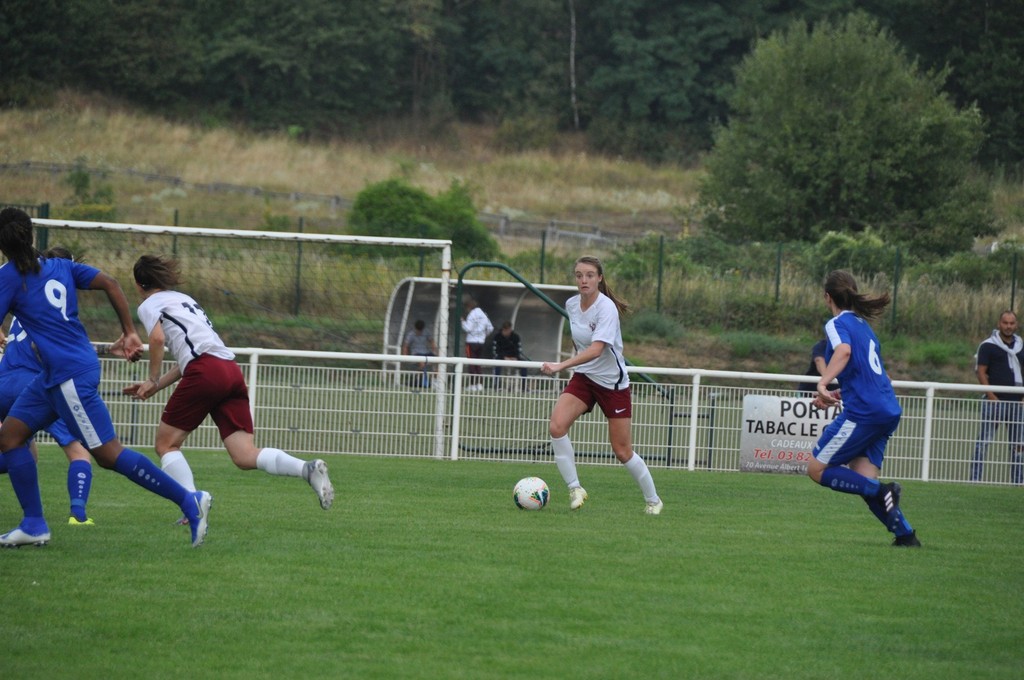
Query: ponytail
(16, 240)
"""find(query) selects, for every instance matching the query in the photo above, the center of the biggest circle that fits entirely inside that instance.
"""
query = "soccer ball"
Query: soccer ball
(530, 493)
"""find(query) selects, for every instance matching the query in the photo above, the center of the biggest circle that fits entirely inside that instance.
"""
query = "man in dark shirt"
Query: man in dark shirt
(999, 364)
(816, 368)
(508, 346)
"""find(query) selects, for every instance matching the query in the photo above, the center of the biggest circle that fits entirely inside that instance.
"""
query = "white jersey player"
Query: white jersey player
(211, 384)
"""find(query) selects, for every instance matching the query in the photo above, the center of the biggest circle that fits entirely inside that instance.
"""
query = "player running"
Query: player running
(211, 384)
(848, 457)
(43, 294)
(600, 378)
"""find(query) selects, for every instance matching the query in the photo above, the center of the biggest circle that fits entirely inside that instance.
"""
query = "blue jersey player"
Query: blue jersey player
(42, 293)
(848, 457)
(19, 367)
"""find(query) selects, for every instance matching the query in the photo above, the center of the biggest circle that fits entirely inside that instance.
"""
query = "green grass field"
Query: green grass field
(425, 569)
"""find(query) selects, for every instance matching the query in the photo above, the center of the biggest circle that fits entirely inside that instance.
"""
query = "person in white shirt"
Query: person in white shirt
(477, 326)
(211, 384)
(600, 378)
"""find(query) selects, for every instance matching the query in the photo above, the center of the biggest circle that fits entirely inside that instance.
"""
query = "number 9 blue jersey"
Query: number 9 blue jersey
(46, 305)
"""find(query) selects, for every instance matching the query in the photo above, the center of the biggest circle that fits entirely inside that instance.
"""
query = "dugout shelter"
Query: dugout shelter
(540, 327)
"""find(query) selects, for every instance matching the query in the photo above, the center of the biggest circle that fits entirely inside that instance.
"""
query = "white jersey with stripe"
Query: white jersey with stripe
(187, 332)
(599, 323)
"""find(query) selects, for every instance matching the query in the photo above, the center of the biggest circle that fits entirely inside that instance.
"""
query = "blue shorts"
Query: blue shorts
(843, 440)
(75, 401)
(12, 384)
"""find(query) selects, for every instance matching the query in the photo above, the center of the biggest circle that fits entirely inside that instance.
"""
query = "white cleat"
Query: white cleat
(654, 508)
(17, 538)
(577, 497)
(315, 472)
(197, 512)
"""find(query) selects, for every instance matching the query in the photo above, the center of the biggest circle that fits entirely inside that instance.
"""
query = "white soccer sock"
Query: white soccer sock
(638, 468)
(277, 462)
(176, 467)
(565, 460)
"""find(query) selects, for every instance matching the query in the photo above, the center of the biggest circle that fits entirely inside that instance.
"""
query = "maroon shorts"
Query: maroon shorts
(210, 387)
(614, 403)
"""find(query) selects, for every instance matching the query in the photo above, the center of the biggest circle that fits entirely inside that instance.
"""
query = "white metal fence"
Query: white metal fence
(318, 403)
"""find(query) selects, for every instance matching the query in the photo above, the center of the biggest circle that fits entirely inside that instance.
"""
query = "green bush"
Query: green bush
(397, 209)
(864, 253)
(974, 269)
(835, 128)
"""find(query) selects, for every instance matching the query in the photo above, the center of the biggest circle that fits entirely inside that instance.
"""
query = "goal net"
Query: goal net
(277, 290)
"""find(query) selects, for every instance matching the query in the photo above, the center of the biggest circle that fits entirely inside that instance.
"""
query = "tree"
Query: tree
(833, 128)
(983, 44)
(142, 51)
(508, 59)
(317, 64)
(33, 35)
(655, 75)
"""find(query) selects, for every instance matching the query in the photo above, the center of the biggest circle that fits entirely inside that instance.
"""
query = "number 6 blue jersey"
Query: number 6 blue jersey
(46, 305)
(867, 391)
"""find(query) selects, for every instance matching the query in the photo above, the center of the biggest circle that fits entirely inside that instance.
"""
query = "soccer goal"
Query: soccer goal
(277, 290)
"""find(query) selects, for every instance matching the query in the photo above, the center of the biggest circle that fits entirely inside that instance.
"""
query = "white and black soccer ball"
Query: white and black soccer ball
(530, 493)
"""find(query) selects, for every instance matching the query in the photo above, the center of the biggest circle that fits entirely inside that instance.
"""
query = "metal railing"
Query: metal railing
(320, 403)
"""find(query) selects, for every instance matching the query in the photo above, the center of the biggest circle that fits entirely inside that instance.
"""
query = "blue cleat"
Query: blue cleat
(197, 510)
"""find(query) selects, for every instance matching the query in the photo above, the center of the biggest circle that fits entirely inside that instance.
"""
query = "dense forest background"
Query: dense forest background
(641, 78)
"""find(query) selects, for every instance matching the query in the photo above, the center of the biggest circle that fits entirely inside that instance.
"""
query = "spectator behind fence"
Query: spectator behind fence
(420, 343)
(477, 327)
(816, 368)
(508, 345)
(998, 363)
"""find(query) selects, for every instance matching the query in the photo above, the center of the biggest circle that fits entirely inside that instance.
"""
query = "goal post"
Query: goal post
(276, 290)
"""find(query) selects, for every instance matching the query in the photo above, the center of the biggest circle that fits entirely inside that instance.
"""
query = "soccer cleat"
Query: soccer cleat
(889, 494)
(181, 521)
(654, 508)
(907, 541)
(197, 510)
(75, 522)
(315, 472)
(577, 497)
(16, 538)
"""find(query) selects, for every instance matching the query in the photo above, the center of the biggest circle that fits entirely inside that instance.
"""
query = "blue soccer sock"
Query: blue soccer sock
(845, 480)
(149, 476)
(21, 467)
(898, 524)
(894, 521)
(79, 485)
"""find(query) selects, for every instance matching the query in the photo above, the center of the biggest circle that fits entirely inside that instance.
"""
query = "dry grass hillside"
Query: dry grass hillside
(568, 184)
